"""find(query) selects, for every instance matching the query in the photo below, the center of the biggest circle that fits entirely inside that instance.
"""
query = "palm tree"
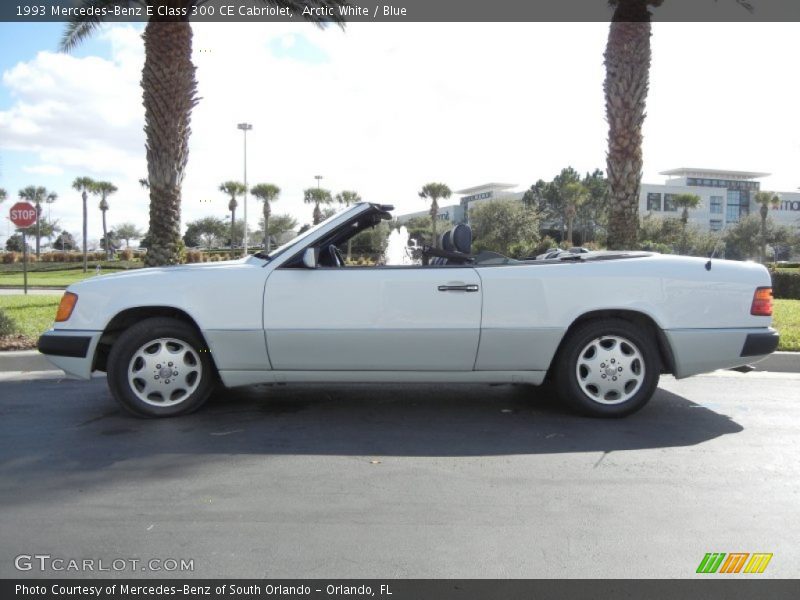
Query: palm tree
(348, 197)
(627, 60)
(104, 189)
(84, 185)
(233, 189)
(685, 201)
(49, 199)
(267, 193)
(37, 195)
(317, 196)
(169, 92)
(434, 191)
(575, 195)
(767, 200)
(3, 195)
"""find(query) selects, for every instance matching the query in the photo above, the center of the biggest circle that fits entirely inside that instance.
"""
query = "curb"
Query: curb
(32, 361)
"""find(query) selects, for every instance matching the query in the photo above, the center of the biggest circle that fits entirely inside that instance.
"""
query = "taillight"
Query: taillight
(67, 305)
(762, 302)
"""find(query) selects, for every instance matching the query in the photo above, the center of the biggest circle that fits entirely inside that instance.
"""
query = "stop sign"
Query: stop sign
(23, 214)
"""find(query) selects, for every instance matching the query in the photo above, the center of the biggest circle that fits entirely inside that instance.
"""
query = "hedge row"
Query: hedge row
(786, 285)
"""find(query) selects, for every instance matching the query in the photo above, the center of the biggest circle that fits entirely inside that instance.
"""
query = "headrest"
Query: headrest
(462, 238)
(447, 241)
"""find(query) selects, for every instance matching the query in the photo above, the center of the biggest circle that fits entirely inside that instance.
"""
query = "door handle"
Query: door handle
(459, 288)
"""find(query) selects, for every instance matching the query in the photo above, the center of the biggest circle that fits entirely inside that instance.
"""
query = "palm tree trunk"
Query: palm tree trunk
(169, 91)
(764, 211)
(85, 233)
(317, 216)
(627, 60)
(266, 226)
(105, 234)
(434, 215)
(38, 219)
(233, 228)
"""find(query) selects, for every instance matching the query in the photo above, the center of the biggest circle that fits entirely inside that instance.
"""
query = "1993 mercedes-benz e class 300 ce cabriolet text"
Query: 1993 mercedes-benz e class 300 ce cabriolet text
(601, 326)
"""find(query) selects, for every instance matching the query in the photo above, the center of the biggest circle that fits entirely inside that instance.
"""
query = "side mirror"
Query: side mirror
(310, 258)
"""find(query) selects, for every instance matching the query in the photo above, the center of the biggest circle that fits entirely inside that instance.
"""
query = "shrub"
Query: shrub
(126, 254)
(194, 256)
(9, 258)
(786, 284)
(7, 325)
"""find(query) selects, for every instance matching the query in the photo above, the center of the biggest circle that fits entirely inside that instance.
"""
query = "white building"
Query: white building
(725, 197)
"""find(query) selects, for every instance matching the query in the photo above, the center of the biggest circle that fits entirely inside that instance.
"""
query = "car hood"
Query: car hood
(137, 275)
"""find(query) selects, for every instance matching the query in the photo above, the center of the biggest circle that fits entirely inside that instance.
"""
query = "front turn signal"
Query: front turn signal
(67, 305)
(762, 302)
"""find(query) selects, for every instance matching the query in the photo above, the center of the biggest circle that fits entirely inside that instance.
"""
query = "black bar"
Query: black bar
(73, 346)
(712, 587)
(409, 11)
(756, 344)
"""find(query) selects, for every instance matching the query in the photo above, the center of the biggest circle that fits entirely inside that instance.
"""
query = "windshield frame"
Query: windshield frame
(300, 239)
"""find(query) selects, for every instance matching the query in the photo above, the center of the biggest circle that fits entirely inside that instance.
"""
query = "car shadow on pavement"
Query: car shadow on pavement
(76, 426)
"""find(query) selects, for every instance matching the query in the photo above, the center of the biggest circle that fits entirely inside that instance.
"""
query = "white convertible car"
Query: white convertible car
(601, 326)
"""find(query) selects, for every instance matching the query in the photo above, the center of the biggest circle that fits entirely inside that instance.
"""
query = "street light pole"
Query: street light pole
(245, 127)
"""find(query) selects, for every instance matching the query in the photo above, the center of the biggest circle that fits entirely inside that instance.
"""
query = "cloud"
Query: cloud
(44, 170)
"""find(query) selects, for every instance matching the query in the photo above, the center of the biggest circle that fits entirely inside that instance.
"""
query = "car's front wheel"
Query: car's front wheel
(160, 367)
(607, 368)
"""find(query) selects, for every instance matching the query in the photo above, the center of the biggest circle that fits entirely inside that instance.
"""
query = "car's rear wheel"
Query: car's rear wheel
(160, 367)
(607, 368)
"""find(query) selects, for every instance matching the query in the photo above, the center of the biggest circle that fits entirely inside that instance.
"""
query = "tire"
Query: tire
(142, 366)
(607, 368)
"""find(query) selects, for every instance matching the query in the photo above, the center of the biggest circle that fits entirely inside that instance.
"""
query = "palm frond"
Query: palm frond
(79, 28)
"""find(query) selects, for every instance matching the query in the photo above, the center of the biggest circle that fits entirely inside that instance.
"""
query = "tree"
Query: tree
(418, 228)
(104, 189)
(128, 232)
(14, 243)
(208, 231)
(267, 193)
(317, 197)
(232, 189)
(434, 192)
(36, 195)
(169, 92)
(84, 185)
(42, 228)
(65, 242)
(348, 197)
(574, 195)
(685, 201)
(767, 200)
(3, 195)
(279, 224)
(504, 226)
(627, 61)
(113, 242)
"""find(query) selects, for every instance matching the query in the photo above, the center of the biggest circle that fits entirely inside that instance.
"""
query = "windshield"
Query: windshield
(306, 234)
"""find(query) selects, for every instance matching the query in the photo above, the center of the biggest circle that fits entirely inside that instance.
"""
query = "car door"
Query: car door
(373, 318)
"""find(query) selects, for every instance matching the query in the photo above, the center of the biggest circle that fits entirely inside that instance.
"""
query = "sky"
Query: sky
(384, 108)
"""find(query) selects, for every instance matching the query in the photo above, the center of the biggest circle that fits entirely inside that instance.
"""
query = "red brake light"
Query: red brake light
(762, 302)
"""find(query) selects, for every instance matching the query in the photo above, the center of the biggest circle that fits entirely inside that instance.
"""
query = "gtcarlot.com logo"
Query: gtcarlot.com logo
(47, 562)
(735, 562)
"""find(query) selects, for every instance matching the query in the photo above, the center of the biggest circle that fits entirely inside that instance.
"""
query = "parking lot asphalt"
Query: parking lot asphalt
(404, 481)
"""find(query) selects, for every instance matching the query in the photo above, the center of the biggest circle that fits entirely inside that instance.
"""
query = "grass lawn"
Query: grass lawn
(46, 278)
(786, 319)
(34, 314)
